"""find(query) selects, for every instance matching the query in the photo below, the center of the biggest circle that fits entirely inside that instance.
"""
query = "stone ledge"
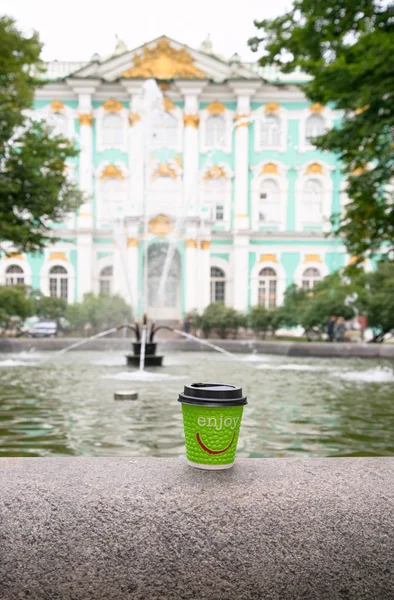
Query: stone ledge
(272, 529)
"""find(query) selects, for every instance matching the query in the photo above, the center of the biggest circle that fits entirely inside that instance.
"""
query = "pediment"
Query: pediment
(164, 59)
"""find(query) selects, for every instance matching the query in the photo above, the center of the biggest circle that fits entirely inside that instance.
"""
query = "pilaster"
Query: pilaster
(241, 275)
(84, 263)
(136, 150)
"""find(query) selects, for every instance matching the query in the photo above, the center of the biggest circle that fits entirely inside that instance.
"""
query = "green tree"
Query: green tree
(15, 301)
(99, 312)
(220, 319)
(35, 190)
(47, 307)
(262, 320)
(347, 48)
(376, 299)
(294, 302)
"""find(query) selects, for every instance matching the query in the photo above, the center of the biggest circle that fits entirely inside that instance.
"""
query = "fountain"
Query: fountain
(144, 348)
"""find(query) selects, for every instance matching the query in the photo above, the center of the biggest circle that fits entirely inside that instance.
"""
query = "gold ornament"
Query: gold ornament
(316, 108)
(191, 243)
(160, 225)
(191, 121)
(111, 171)
(241, 120)
(268, 258)
(133, 119)
(216, 108)
(359, 111)
(215, 172)
(178, 160)
(14, 256)
(269, 168)
(132, 242)
(168, 104)
(314, 169)
(57, 256)
(205, 245)
(57, 106)
(312, 258)
(164, 86)
(357, 172)
(86, 119)
(164, 170)
(271, 107)
(112, 105)
(164, 62)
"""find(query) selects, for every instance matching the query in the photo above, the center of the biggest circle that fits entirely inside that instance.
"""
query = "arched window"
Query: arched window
(269, 202)
(59, 123)
(270, 131)
(310, 278)
(164, 129)
(218, 285)
(58, 282)
(215, 132)
(113, 196)
(267, 287)
(14, 275)
(113, 131)
(215, 197)
(313, 201)
(105, 281)
(314, 126)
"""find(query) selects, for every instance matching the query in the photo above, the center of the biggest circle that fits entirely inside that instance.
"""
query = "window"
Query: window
(14, 275)
(314, 126)
(218, 285)
(215, 136)
(113, 131)
(267, 287)
(105, 281)
(269, 202)
(59, 123)
(310, 278)
(164, 130)
(313, 201)
(214, 198)
(58, 282)
(270, 131)
(113, 196)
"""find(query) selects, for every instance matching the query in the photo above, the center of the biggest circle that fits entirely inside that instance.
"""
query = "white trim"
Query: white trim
(303, 266)
(227, 196)
(254, 281)
(99, 265)
(18, 262)
(46, 111)
(100, 114)
(259, 116)
(281, 180)
(328, 188)
(99, 193)
(225, 266)
(44, 276)
(328, 115)
(176, 112)
(228, 116)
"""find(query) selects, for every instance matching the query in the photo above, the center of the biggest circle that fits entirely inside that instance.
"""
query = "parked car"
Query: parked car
(43, 329)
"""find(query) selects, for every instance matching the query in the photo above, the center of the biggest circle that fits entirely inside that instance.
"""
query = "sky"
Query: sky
(75, 29)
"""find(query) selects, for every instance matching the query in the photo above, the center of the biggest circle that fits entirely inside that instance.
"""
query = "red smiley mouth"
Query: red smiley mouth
(206, 449)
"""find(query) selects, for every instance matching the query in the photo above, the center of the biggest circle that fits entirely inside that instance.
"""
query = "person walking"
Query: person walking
(340, 329)
(331, 328)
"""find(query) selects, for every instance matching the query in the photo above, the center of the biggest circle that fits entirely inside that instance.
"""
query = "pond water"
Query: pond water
(63, 405)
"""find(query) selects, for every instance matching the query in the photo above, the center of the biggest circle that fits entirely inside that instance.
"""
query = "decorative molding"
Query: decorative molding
(241, 216)
(164, 62)
(316, 108)
(357, 172)
(168, 104)
(205, 244)
(271, 108)
(164, 86)
(161, 225)
(190, 243)
(241, 120)
(57, 106)
(359, 111)
(86, 119)
(14, 256)
(57, 256)
(314, 169)
(268, 258)
(134, 118)
(112, 105)
(312, 258)
(216, 108)
(269, 169)
(215, 172)
(178, 160)
(164, 170)
(111, 171)
(132, 242)
(191, 121)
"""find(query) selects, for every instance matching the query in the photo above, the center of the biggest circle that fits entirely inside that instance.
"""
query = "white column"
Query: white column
(240, 269)
(85, 116)
(191, 121)
(84, 263)
(204, 281)
(243, 91)
(190, 276)
(135, 148)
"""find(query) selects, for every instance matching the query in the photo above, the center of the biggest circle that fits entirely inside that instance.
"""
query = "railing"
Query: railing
(112, 528)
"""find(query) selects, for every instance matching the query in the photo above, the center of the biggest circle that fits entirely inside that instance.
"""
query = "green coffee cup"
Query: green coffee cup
(212, 414)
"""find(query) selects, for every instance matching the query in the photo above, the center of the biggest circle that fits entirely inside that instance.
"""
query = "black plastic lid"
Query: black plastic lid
(212, 394)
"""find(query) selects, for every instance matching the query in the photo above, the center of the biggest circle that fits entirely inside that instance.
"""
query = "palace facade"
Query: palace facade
(220, 188)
